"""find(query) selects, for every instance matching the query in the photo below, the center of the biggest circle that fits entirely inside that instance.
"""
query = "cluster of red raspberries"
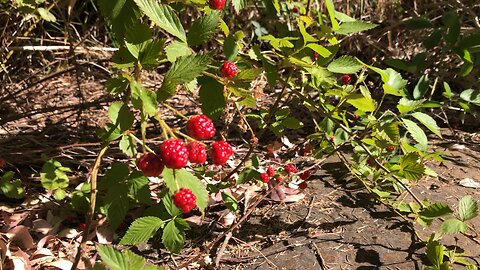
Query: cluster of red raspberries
(175, 154)
(289, 170)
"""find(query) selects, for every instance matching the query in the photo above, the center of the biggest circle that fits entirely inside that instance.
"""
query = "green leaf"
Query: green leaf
(203, 28)
(247, 174)
(176, 49)
(230, 202)
(436, 210)
(163, 16)
(452, 226)
(128, 145)
(279, 43)
(123, 260)
(411, 166)
(172, 210)
(238, 5)
(345, 65)
(116, 86)
(417, 133)
(421, 87)
(292, 123)
(141, 230)
(138, 188)
(53, 175)
(434, 39)
(12, 189)
(467, 208)
(406, 105)
(471, 95)
(435, 252)
(182, 178)
(173, 237)
(362, 103)
(123, 59)
(321, 50)
(452, 21)
(116, 204)
(230, 47)
(183, 70)
(418, 23)
(392, 130)
(46, 15)
(331, 14)
(447, 90)
(211, 97)
(354, 27)
(248, 75)
(428, 122)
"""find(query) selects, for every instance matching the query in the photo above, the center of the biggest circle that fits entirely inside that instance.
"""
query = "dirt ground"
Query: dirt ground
(338, 225)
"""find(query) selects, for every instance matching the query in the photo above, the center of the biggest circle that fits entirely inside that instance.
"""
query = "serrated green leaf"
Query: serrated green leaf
(203, 28)
(467, 208)
(452, 226)
(12, 189)
(246, 175)
(141, 230)
(128, 145)
(172, 210)
(362, 103)
(436, 210)
(416, 132)
(123, 59)
(121, 14)
(435, 253)
(354, 27)
(238, 5)
(138, 188)
(230, 202)
(345, 65)
(392, 130)
(123, 260)
(428, 122)
(406, 105)
(116, 86)
(116, 204)
(421, 87)
(471, 95)
(163, 16)
(211, 97)
(182, 178)
(411, 166)
(173, 237)
(279, 43)
(46, 15)
(176, 49)
(321, 50)
(230, 48)
(248, 75)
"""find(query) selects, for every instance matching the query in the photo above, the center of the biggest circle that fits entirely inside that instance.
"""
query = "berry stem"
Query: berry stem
(165, 127)
(220, 79)
(187, 137)
(175, 111)
(140, 141)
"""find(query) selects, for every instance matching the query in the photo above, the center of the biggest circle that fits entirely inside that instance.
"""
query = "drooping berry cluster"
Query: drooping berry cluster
(229, 69)
(185, 200)
(290, 168)
(150, 164)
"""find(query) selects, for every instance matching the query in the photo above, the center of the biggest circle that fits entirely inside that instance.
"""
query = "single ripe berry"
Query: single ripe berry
(2, 162)
(315, 56)
(185, 200)
(174, 153)
(332, 138)
(221, 151)
(279, 178)
(81, 226)
(265, 178)
(356, 116)
(217, 4)
(295, 9)
(303, 185)
(229, 69)
(391, 148)
(305, 175)
(150, 164)
(290, 168)
(346, 79)
(197, 153)
(270, 171)
(200, 127)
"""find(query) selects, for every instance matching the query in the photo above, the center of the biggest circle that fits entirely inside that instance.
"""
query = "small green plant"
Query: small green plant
(11, 187)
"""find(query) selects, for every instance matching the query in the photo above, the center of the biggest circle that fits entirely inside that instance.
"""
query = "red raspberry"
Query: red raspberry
(81, 226)
(185, 200)
(332, 138)
(174, 153)
(290, 168)
(265, 178)
(197, 153)
(216, 4)
(2, 162)
(279, 178)
(303, 185)
(356, 116)
(270, 171)
(305, 175)
(221, 152)
(346, 79)
(229, 69)
(200, 127)
(150, 164)
(315, 56)
(295, 9)
(391, 148)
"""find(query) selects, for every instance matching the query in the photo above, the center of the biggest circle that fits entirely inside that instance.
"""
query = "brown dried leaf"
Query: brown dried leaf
(60, 264)
(21, 236)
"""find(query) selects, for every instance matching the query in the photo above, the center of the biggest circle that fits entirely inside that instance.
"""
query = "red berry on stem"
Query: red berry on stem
(391, 148)
(185, 200)
(279, 178)
(197, 153)
(315, 56)
(200, 127)
(217, 4)
(303, 185)
(265, 178)
(295, 9)
(290, 168)
(174, 153)
(81, 226)
(356, 116)
(270, 171)
(229, 69)
(221, 151)
(305, 175)
(346, 79)
(150, 164)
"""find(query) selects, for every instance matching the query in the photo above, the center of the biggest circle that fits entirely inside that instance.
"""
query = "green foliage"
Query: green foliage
(10, 187)
(123, 260)
(54, 178)
(175, 179)
(141, 230)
